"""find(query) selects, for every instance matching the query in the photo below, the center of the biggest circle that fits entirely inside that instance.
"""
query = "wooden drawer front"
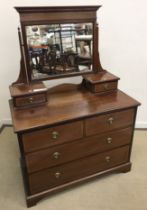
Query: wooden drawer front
(30, 100)
(107, 86)
(78, 169)
(72, 151)
(52, 136)
(108, 122)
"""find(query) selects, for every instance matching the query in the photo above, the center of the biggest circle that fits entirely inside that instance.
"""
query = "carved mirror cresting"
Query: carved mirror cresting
(58, 42)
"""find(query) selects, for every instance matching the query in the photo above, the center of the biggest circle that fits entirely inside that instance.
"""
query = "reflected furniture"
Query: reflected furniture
(58, 48)
(67, 134)
(84, 38)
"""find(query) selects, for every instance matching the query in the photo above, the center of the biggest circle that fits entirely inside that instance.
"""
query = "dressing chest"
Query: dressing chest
(69, 133)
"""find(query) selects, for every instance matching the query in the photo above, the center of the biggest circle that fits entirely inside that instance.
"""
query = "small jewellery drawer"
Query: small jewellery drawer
(62, 174)
(43, 138)
(108, 122)
(64, 153)
(30, 100)
(105, 86)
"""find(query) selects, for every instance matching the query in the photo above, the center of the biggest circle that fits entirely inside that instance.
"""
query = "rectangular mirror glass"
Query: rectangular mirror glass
(59, 49)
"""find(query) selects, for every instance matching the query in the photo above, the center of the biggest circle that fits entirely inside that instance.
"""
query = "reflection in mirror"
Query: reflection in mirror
(57, 49)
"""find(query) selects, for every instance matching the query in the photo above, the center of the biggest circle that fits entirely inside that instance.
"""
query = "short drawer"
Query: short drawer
(43, 138)
(30, 100)
(59, 175)
(64, 153)
(108, 122)
(106, 86)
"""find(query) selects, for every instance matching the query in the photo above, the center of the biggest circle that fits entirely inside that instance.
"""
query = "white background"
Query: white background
(122, 46)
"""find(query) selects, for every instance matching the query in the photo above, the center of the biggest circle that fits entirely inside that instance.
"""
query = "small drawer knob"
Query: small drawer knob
(56, 155)
(110, 120)
(108, 159)
(109, 140)
(31, 99)
(55, 135)
(57, 175)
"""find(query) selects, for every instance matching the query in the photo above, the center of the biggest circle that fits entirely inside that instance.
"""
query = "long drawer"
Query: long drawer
(43, 138)
(108, 122)
(64, 153)
(59, 175)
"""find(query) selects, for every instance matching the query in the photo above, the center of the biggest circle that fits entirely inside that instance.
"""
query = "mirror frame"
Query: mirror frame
(51, 15)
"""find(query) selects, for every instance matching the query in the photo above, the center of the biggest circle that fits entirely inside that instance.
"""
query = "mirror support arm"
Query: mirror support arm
(97, 63)
(23, 76)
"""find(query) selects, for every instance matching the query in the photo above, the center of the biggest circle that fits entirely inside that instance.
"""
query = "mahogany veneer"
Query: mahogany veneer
(56, 176)
(103, 82)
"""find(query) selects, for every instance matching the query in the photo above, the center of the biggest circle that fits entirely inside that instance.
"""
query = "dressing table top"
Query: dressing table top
(64, 106)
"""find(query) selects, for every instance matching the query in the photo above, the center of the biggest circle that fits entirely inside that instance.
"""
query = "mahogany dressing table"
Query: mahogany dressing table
(70, 133)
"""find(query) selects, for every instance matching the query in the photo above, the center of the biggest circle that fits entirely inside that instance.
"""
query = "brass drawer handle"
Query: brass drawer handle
(108, 159)
(31, 100)
(56, 155)
(57, 175)
(110, 120)
(55, 135)
(109, 140)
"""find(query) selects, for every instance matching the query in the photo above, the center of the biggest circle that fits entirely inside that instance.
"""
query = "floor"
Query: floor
(114, 192)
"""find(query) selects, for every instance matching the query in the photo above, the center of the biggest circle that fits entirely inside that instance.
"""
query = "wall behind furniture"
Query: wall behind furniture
(123, 47)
